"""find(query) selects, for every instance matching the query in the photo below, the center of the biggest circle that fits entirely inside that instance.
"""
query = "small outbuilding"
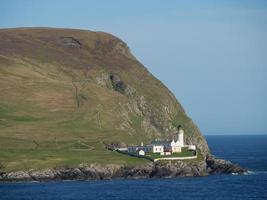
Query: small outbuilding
(141, 153)
(192, 147)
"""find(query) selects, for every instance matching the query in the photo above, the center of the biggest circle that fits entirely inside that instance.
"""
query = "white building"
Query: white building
(163, 147)
(157, 148)
(192, 147)
(181, 136)
(166, 146)
(122, 149)
(133, 149)
(141, 153)
(176, 147)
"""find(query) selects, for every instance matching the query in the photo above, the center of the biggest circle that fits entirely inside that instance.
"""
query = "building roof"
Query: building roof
(161, 142)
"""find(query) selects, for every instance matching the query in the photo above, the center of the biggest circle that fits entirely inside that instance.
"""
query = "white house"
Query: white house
(157, 148)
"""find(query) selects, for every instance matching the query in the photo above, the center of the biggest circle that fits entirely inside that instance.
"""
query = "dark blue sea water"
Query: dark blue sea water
(248, 151)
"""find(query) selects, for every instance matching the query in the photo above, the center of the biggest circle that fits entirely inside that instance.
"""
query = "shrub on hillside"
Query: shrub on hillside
(2, 169)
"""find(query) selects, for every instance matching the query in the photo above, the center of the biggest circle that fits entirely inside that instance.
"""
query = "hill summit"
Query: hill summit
(66, 93)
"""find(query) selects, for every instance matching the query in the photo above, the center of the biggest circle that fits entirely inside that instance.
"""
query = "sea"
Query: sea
(250, 151)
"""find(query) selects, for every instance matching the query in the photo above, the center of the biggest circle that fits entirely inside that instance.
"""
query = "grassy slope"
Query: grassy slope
(41, 124)
(42, 127)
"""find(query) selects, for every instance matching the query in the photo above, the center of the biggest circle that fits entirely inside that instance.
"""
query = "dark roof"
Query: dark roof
(160, 142)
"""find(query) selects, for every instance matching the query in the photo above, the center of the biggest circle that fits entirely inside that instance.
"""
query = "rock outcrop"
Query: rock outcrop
(220, 166)
(151, 170)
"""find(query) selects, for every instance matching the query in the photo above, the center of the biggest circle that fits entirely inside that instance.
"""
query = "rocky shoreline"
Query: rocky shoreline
(152, 170)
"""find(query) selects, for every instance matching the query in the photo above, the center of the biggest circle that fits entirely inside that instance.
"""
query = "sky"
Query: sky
(212, 54)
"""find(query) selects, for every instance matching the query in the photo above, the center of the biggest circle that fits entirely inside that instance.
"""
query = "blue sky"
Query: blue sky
(211, 54)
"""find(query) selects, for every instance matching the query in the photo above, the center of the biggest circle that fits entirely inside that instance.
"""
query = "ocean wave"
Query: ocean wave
(255, 172)
(252, 173)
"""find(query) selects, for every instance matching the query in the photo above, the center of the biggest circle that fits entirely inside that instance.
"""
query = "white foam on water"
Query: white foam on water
(255, 172)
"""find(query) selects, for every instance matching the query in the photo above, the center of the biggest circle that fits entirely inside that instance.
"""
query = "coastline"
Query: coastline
(164, 169)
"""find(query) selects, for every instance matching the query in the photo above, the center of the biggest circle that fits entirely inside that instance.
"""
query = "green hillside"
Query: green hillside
(64, 93)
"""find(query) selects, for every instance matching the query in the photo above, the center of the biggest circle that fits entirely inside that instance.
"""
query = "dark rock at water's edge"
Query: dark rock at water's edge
(220, 166)
(151, 170)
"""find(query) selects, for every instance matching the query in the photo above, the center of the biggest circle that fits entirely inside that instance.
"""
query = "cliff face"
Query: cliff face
(69, 90)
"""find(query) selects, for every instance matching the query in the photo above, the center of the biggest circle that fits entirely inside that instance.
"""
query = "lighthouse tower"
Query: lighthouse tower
(181, 136)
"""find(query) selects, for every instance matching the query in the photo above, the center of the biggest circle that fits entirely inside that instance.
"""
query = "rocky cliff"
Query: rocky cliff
(111, 171)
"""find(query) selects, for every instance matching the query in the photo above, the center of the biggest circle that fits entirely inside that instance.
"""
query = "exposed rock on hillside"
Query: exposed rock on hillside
(69, 42)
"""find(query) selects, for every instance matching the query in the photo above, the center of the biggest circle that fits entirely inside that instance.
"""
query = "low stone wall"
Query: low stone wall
(157, 159)
(176, 158)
